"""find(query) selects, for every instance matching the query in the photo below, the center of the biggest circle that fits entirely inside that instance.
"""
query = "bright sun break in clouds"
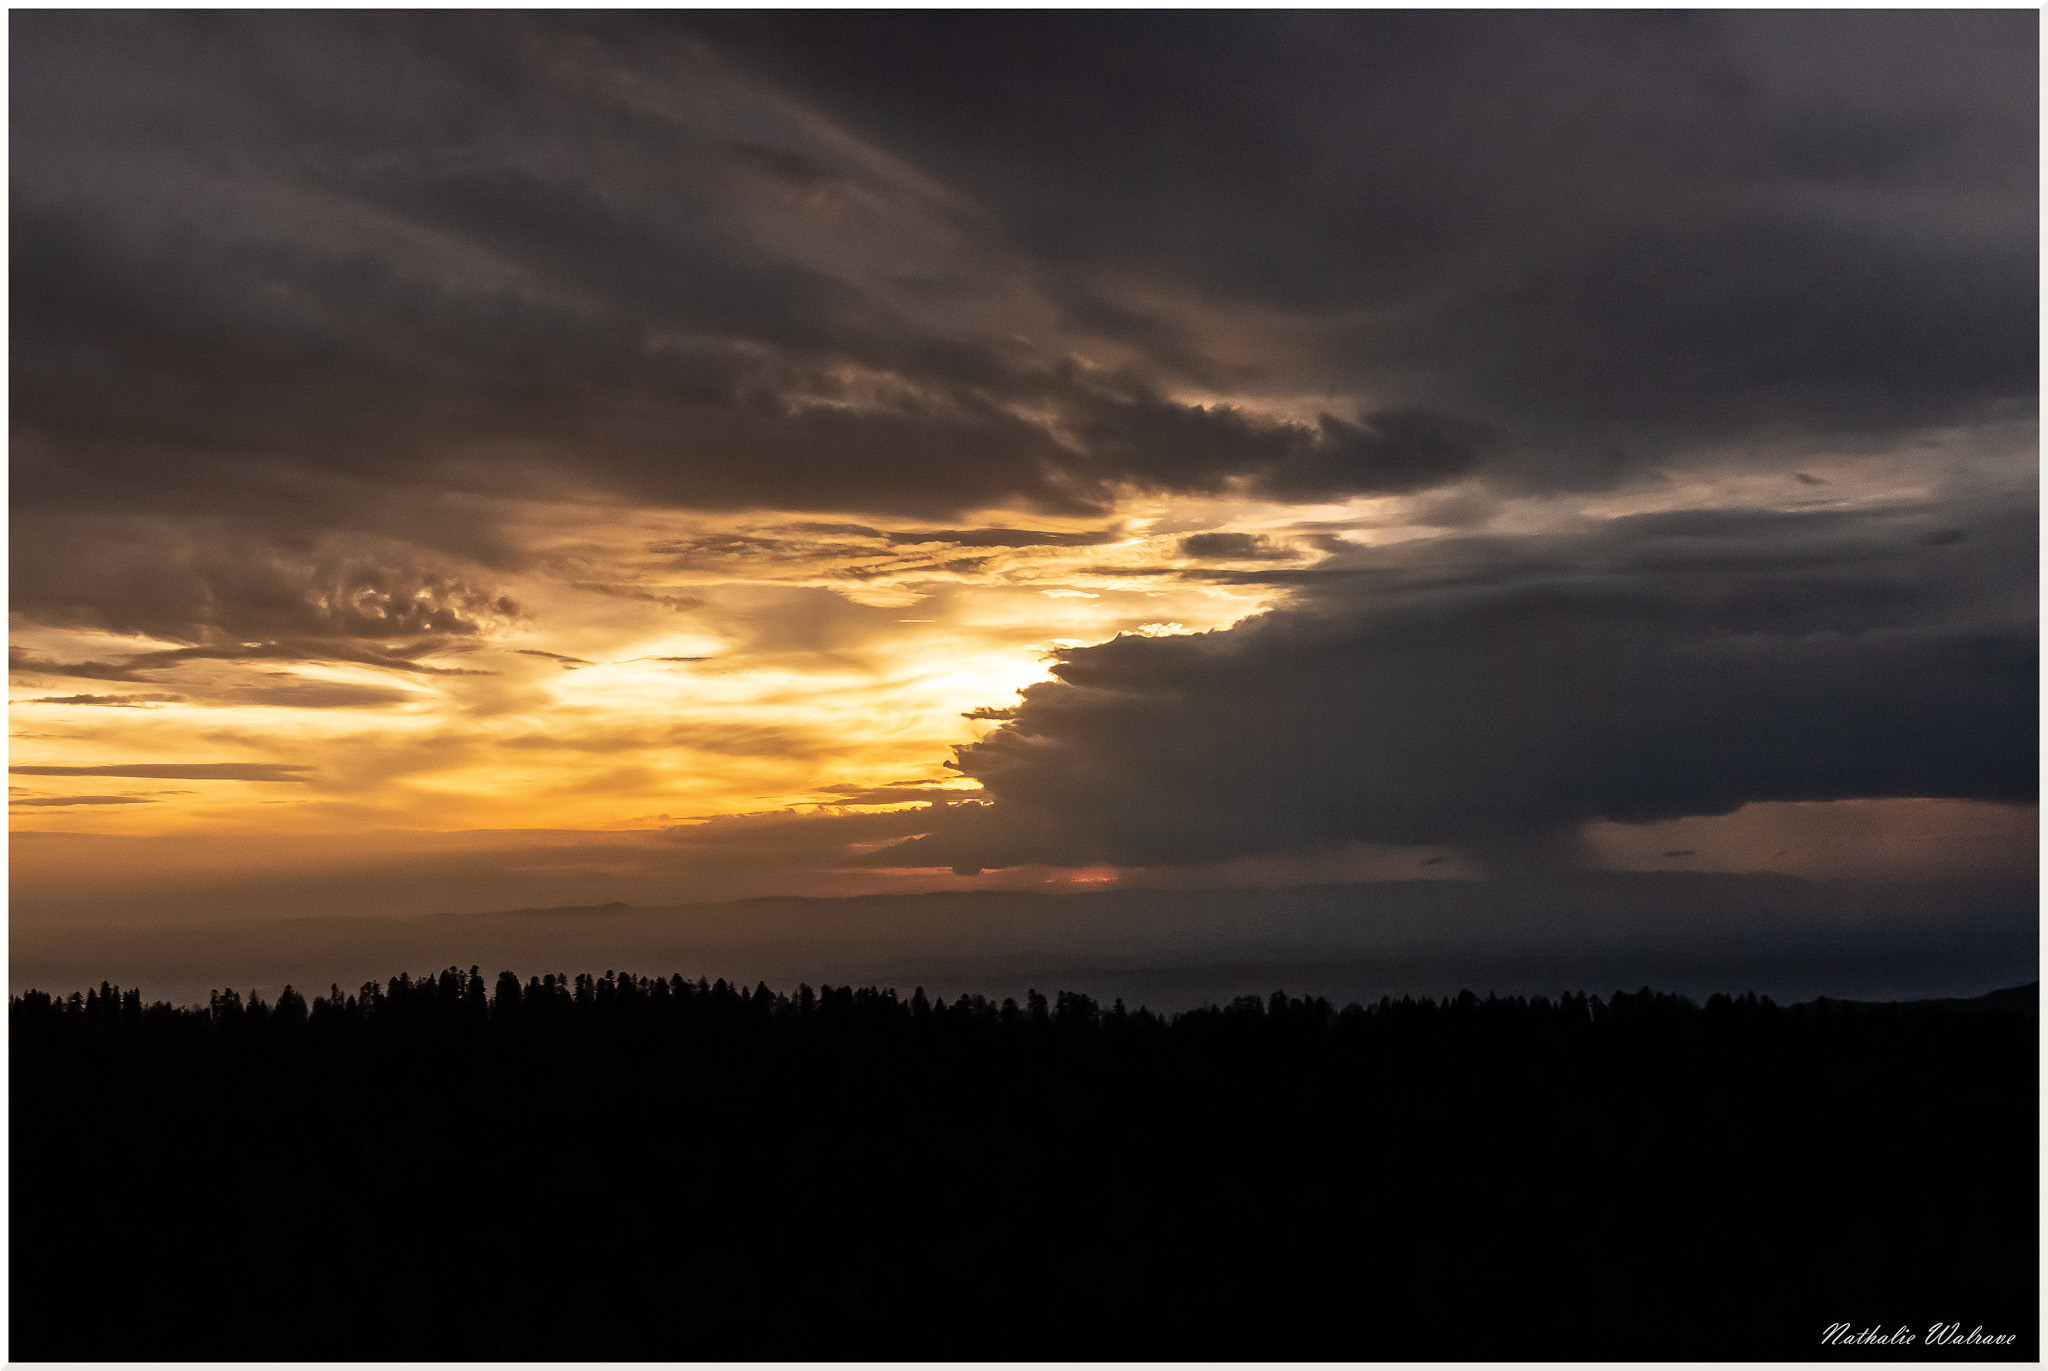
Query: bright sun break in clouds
(654, 669)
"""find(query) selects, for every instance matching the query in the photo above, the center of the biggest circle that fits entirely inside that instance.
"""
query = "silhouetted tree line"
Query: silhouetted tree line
(627, 1167)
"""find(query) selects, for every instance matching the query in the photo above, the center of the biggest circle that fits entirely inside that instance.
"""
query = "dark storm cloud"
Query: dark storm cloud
(304, 262)
(287, 268)
(1201, 448)
(1642, 228)
(1494, 693)
(200, 771)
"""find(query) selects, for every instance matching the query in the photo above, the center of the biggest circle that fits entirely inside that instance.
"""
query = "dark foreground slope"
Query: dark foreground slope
(664, 1170)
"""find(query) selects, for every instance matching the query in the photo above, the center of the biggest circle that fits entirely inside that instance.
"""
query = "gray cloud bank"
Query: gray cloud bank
(1495, 693)
(1642, 227)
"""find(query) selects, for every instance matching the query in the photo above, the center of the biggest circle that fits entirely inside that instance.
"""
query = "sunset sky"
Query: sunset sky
(471, 461)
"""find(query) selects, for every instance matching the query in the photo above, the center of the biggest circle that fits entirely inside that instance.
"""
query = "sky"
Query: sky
(475, 461)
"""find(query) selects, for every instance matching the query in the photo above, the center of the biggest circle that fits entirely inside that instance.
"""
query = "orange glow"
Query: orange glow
(663, 667)
(667, 668)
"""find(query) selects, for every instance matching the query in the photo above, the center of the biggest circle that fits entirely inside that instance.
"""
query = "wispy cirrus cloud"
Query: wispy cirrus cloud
(174, 771)
(64, 801)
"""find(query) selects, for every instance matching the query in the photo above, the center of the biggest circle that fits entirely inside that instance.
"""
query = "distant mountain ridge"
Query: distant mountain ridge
(2021, 999)
(1691, 934)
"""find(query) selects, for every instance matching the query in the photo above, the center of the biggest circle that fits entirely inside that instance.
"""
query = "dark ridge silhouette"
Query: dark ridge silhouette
(621, 1167)
(2019, 999)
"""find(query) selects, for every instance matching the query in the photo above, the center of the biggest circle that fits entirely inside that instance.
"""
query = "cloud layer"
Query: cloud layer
(293, 252)
(561, 419)
(1498, 693)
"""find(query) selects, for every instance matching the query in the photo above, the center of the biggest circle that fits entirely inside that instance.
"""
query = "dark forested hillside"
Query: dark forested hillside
(642, 1168)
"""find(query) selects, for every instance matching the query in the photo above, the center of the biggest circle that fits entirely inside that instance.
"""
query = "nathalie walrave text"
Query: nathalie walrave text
(1938, 1335)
